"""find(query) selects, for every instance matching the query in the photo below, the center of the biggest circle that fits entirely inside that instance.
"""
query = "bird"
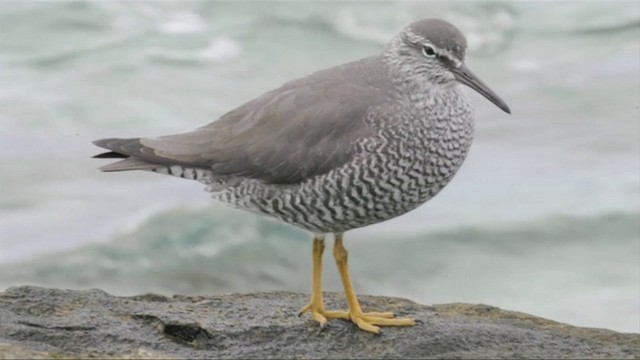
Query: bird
(342, 148)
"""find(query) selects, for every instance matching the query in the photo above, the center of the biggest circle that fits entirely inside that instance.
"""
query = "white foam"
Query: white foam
(525, 65)
(183, 22)
(352, 26)
(220, 49)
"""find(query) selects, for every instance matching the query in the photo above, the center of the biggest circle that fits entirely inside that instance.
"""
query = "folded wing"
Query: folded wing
(304, 128)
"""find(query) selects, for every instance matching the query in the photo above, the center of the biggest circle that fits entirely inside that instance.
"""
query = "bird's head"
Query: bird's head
(434, 50)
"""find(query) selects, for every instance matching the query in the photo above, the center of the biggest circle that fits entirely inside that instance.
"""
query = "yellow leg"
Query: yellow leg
(365, 321)
(316, 305)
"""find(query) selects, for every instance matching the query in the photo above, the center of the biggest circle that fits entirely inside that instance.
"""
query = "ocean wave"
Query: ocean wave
(560, 267)
(183, 22)
(567, 19)
(608, 29)
(221, 244)
(488, 27)
(218, 50)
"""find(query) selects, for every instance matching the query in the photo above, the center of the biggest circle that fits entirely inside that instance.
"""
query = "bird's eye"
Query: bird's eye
(428, 51)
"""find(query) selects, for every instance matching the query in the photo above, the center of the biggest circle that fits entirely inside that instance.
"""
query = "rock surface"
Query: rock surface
(51, 323)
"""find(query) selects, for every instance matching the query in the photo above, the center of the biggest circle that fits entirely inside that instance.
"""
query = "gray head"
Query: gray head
(434, 50)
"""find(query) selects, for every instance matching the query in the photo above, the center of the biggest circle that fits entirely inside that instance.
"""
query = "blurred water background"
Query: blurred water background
(542, 218)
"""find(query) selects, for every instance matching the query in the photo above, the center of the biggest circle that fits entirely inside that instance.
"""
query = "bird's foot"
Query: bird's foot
(367, 321)
(320, 315)
(371, 321)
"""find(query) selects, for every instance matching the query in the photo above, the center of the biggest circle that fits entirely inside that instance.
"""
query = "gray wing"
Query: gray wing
(304, 128)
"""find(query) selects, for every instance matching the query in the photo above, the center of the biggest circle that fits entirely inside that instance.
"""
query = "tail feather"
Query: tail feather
(129, 164)
(137, 156)
(111, 155)
(119, 150)
(121, 146)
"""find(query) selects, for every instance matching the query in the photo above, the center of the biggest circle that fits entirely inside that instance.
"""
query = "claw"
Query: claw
(304, 309)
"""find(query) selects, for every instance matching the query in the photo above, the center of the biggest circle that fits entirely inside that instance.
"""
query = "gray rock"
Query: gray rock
(52, 323)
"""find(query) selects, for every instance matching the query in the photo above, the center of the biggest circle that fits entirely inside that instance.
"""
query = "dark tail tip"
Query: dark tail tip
(111, 155)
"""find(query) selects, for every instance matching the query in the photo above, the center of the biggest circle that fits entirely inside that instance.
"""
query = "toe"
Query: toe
(389, 322)
(337, 314)
(304, 309)
(366, 326)
(318, 317)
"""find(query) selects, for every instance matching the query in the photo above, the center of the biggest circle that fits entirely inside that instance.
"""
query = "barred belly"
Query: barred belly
(357, 194)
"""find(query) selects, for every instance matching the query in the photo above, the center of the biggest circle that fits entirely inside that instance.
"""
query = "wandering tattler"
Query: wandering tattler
(342, 148)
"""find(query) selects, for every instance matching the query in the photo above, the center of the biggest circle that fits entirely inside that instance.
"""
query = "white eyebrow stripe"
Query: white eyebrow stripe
(446, 54)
